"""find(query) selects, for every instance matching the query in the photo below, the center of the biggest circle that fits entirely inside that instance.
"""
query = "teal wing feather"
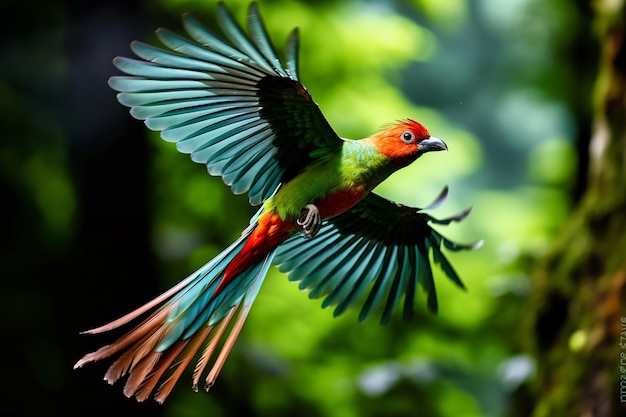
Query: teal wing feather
(230, 103)
(376, 246)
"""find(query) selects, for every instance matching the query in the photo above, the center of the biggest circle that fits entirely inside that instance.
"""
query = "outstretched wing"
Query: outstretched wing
(231, 105)
(378, 246)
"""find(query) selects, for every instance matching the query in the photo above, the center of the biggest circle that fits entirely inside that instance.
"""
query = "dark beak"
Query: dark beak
(431, 144)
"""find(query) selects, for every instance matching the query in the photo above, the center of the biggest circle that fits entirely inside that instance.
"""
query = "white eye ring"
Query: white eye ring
(408, 137)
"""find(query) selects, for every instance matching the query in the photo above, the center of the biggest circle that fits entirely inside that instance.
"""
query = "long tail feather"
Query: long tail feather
(209, 349)
(183, 360)
(143, 391)
(155, 352)
(241, 318)
(228, 345)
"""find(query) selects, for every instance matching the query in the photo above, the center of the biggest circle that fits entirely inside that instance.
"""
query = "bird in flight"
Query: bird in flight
(232, 105)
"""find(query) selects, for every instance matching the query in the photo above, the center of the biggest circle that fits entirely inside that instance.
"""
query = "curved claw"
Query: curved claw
(310, 221)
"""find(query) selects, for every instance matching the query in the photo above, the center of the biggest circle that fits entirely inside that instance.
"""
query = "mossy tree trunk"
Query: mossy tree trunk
(578, 307)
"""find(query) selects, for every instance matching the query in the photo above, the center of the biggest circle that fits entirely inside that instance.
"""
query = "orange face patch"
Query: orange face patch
(400, 140)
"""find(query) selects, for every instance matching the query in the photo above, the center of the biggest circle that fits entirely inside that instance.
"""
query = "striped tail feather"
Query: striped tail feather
(189, 318)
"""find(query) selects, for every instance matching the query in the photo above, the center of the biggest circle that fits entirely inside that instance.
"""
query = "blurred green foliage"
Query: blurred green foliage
(489, 77)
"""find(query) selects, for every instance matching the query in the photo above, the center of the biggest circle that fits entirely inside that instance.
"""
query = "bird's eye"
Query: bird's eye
(408, 137)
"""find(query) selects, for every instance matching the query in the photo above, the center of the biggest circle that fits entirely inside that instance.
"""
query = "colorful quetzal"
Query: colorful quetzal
(235, 108)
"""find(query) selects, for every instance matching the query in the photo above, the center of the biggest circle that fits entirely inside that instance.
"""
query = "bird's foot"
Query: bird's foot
(310, 221)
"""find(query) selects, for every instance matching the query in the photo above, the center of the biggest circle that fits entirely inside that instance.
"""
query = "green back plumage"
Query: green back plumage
(356, 165)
